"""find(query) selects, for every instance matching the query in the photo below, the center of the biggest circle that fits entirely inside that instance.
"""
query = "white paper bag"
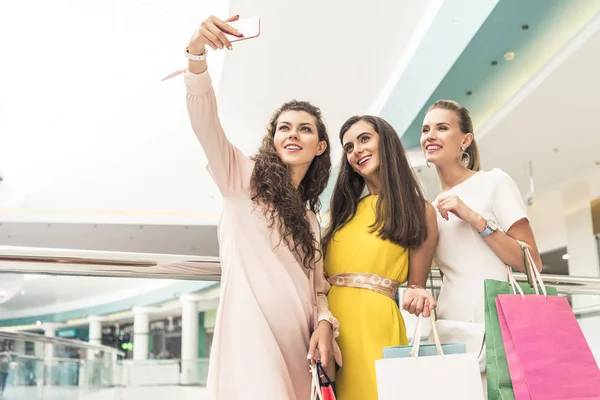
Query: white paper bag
(448, 377)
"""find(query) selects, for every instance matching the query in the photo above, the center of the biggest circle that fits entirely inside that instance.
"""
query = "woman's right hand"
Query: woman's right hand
(211, 33)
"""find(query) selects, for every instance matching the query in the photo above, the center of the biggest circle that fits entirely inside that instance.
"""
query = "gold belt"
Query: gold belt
(374, 282)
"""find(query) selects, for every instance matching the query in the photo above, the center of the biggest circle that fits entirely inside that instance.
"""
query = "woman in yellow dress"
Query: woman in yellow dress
(382, 232)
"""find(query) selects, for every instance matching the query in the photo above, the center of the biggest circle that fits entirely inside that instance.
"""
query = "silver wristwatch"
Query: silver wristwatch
(490, 227)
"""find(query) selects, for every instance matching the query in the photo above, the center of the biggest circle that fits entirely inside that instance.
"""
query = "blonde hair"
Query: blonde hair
(465, 124)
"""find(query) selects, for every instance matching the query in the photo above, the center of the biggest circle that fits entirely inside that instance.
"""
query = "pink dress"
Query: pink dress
(264, 319)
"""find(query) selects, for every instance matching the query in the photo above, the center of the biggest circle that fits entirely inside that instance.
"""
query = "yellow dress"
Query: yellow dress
(369, 321)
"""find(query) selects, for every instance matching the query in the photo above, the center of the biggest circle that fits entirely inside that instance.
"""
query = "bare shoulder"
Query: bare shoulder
(430, 215)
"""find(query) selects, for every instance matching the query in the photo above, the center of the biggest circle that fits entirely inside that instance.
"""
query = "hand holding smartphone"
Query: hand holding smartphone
(248, 27)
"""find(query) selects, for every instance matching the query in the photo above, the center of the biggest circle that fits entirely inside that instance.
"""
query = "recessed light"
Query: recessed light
(494, 63)
(509, 55)
(565, 257)
(469, 93)
(525, 27)
(22, 293)
(597, 162)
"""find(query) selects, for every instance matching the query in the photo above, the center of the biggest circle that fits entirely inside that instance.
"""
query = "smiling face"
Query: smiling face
(296, 138)
(441, 137)
(361, 146)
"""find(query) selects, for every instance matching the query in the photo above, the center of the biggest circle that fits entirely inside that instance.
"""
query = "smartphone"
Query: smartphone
(249, 27)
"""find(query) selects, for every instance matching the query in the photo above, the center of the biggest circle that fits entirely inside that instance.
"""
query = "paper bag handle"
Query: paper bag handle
(532, 271)
(414, 353)
(315, 386)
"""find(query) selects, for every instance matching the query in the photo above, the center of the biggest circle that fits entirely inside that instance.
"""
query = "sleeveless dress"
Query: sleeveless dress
(368, 320)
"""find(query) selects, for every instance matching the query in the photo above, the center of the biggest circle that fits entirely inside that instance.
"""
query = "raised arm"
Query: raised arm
(229, 167)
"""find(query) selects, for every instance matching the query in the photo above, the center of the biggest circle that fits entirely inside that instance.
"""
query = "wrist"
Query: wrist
(415, 287)
(479, 223)
(196, 49)
(325, 322)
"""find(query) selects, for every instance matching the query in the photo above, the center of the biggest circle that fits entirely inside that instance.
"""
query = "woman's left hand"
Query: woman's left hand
(322, 339)
(417, 301)
(454, 205)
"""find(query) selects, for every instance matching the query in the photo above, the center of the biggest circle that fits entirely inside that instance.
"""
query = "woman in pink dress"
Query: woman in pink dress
(269, 242)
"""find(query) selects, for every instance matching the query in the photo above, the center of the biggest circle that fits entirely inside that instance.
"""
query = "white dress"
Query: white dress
(462, 254)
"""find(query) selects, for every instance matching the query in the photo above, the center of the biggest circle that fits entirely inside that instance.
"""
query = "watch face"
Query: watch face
(492, 225)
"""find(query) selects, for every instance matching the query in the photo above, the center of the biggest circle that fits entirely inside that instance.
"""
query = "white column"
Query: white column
(189, 338)
(95, 335)
(49, 331)
(141, 330)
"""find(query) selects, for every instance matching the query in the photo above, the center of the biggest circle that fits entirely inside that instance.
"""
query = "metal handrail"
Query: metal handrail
(47, 261)
(565, 284)
(34, 260)
(37, 338)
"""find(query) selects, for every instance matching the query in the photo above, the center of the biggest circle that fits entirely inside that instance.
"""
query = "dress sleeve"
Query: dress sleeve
(229, 167)
(507, 204)
(322, 288)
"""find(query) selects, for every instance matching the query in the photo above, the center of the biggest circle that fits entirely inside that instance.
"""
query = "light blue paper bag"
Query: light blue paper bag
(424, 350)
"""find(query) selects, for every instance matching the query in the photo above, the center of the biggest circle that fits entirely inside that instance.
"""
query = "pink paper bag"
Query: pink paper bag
(517, 375)
(556, 361)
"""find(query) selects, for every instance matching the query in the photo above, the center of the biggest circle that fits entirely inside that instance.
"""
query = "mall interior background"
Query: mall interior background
(96, 152)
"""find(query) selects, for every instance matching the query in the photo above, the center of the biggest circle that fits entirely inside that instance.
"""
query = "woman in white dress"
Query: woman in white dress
(481, 216)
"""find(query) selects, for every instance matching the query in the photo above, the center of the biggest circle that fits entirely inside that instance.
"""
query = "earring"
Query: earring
(428, 164)
(464, 158)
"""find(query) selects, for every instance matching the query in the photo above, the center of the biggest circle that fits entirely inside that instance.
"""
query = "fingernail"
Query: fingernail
(230, 47)
(309, 357)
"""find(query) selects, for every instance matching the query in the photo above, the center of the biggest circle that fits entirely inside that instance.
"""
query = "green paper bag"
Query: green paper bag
(499, 385)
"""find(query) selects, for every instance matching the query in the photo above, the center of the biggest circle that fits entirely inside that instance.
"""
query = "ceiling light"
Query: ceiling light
(39, 323)
(469, 93)
(509, 55)
(565, 257)
(22, 293)
(525, 27)
(494, 63)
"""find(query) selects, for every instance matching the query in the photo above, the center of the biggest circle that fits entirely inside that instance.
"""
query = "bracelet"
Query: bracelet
(415, 287)
(194, 57)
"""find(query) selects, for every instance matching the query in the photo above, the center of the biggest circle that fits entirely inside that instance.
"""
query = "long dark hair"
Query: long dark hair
(286, 206)
(465, 124)
(401, 203)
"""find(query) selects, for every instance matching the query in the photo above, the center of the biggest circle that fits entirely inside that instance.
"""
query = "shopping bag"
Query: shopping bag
(327, 385)
(499, 383)
(547, 354)
(322, 387)
(439, 376)
(315, 385)
(424, 350)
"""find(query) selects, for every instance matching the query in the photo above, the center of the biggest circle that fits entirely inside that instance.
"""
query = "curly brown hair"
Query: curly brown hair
(286, 206)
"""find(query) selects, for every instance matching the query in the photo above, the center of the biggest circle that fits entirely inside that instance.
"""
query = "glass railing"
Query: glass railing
(109, 370)
(35, 366)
